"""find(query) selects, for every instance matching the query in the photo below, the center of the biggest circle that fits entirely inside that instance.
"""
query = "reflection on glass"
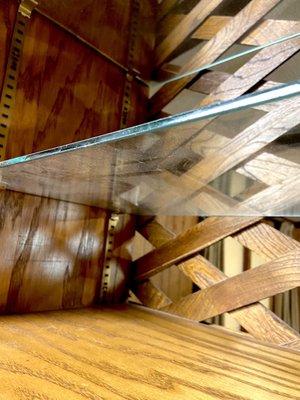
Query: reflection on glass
(211, 161)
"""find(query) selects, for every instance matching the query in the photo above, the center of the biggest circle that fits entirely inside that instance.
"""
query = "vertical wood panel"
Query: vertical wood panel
(66, 92)
(98, 22)
(8, 9)
(51, 252)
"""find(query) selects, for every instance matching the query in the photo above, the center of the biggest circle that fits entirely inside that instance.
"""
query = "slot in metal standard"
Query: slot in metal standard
(110, 262)
(133, 34)
(9, 91)
(107, 286)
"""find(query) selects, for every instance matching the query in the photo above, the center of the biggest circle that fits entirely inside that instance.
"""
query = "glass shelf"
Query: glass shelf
(238, 157)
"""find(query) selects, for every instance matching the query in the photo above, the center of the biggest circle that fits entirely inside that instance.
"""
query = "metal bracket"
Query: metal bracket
(26, 7)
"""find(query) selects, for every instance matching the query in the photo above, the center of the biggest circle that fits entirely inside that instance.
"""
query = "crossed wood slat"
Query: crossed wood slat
(276, 180)
(180, 32)
(250, 140)
(255, 318)
(267, 30)
(214, 48)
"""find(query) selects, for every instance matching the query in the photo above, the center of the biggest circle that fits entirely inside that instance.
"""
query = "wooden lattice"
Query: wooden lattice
(276, 179)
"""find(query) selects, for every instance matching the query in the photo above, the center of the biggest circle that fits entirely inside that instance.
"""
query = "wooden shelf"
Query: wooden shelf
(132, 353)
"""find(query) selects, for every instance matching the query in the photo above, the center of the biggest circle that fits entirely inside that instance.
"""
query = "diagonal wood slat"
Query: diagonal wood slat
(258, 283)
(255, 318)
(248, 142)
(266, 31)
(266, 241)
(188, 24)
(237, 84)
(193, 240)
(150, 295)
(259, 321)
(245, 144)
(265, 167)
(211, 80)
(214, 229)
(242, 79)
(165, 7)
(214, 48)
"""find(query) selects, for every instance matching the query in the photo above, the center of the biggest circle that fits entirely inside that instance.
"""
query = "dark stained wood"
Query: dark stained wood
(8, 10)
(134, 353)
(55, 104)
(98, 24)
(52, 251)
(145, 39)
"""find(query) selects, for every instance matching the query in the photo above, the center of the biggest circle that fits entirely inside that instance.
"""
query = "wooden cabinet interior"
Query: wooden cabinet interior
(83, 71)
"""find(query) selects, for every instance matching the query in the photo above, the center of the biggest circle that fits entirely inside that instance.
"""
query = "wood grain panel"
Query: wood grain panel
(8, 10)
(277, 276)
(55, 104)
(130, 352)
(99, 25)
(227, 36)
(52, 251)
